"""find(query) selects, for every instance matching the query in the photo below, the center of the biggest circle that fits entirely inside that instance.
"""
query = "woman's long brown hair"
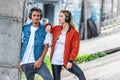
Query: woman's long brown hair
(68, 13)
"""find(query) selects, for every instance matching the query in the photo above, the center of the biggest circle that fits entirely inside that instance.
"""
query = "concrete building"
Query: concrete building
(11, 19)
(51, 9)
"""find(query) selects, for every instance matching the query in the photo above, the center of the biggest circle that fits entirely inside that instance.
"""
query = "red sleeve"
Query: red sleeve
(75, 46)
(47, 24)
(52, 27)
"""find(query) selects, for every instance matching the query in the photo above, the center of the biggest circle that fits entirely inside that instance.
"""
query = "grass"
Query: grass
(89, 57)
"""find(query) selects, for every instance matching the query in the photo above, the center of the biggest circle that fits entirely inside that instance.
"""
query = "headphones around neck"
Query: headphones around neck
(35, 9)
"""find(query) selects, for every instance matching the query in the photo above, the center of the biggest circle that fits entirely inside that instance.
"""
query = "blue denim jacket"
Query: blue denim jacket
(38, 40)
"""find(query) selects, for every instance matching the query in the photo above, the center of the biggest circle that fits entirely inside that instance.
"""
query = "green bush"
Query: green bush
(47, 61)
(88, 57)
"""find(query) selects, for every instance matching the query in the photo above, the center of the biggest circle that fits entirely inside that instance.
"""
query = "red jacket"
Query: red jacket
(72, 43)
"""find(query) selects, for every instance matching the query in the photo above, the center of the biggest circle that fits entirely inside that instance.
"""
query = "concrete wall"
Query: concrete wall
(11, 16)
(94, 12)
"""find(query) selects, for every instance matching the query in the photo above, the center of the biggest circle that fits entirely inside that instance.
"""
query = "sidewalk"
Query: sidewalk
(105, 68)
(108, 39)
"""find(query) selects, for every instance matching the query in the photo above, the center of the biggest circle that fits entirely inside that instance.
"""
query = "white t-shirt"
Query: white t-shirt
(59, 50)
(29, 55)
(48, 38)
(29, 52)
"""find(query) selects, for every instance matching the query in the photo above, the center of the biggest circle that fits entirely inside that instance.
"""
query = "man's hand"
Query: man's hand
(37, 64)
(20, 67)
(69, 65)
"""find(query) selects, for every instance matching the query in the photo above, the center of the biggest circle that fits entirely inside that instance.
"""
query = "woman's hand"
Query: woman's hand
(69, 65)
(48, 28)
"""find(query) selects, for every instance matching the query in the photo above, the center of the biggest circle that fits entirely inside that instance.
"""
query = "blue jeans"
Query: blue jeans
(75, 70)
(42, 71)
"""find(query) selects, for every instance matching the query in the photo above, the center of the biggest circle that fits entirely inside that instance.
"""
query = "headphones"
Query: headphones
(68, 18)
(35, 9)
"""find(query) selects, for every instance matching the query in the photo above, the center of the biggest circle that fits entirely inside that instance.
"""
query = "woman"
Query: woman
(65, 46)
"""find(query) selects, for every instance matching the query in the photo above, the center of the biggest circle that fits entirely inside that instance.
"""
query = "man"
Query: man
(34, 48)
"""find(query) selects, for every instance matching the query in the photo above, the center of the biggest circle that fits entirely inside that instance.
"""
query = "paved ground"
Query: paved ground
(107, 40)
(105, 68)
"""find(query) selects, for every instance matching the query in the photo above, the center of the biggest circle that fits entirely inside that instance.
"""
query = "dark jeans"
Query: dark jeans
(42, 71)
(75, 70)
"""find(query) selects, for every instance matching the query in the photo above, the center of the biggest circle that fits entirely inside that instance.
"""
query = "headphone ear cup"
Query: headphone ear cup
(41, 16)
(30, 15)
(67, 19)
